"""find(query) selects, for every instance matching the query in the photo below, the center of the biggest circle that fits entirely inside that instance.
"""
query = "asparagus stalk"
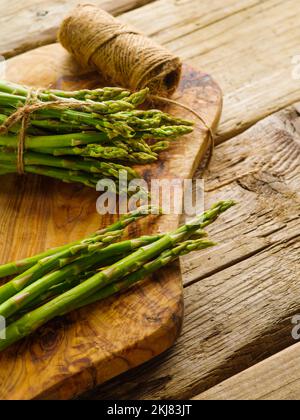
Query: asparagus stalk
(53, 141)
(95, 151)
(91, 166)
(70, 176)
(104, 152)
(136, 260)
(101, 124)
(160, 146)
(60, 174)
(54, 291)
(90, 114)
(165, 258)
(53, 262)
(27, 287)
(98, 95)
(20, 266)
(148, 269)
(114, 274)
(107, 107)
(31, 321)
(71, 282)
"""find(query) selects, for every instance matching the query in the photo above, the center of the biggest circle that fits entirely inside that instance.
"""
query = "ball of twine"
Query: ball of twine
(120, 53)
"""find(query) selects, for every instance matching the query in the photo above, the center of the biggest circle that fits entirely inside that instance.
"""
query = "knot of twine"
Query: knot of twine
(21, 114)
(120, 52)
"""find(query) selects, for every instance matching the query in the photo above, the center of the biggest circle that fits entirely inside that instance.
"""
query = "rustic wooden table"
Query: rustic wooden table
(240, 299)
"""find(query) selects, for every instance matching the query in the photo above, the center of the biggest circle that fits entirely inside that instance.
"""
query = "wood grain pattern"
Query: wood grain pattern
(276, 378)
(241, 296)
(97, 343)
(36, 22)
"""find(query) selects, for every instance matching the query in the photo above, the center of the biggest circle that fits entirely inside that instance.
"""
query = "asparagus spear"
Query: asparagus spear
(53, 141)
(160, 146)
(165, 258)
(100, 95)
(95, 151)
(104, 152)
(90, 114)
(118, 271)
(53, 262)
(20, 266)
(54, 291)
(31, 321)
(111, 170)
(108, 107)
(61, 174)
(71, 176)
(73, 281)
(99, 124)
(27, 287)
(148, 269)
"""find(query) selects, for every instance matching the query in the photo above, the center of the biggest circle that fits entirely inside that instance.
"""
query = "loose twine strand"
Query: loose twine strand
(211, 137)
(33, 104)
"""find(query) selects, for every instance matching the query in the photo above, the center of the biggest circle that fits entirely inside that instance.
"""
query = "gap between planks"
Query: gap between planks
(276, 378)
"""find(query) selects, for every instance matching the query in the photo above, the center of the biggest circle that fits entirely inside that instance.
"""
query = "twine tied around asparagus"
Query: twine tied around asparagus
(22, 114)
(33, 104)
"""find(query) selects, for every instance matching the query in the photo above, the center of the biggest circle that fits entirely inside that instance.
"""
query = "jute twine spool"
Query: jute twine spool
(23, 115)
(121, 53)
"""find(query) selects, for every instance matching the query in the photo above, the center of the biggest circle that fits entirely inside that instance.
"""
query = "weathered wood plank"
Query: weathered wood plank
(35, 22)
(31, 23)
(247, 46)
(277, 378)
(240, 297)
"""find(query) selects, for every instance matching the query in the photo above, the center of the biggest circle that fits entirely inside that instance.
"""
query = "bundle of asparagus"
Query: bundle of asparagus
(84, 135)
(66, 278)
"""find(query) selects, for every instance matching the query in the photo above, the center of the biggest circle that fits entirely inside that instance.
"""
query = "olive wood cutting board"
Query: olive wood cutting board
(92, 345)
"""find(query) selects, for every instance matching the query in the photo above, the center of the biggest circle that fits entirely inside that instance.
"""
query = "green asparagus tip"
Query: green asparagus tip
(149, 209)
(224, 205)
(197, 245)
